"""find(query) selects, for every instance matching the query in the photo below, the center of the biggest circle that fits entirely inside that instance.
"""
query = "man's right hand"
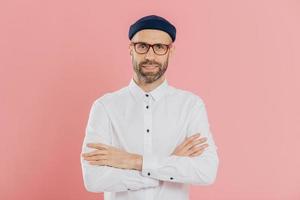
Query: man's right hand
(191, 146)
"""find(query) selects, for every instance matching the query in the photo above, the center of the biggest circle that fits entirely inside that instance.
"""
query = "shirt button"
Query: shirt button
(171, 178)
(147, 107)
(148, 173)
(128, 189)
(148, 130)
(147, 95)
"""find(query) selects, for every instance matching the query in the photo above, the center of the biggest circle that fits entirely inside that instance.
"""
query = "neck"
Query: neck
(147, 87)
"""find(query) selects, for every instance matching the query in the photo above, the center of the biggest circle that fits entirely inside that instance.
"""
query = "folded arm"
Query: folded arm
(105, 178)
(198, 170)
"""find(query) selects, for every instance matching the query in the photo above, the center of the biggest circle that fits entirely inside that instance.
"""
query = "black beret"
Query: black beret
(152, 22)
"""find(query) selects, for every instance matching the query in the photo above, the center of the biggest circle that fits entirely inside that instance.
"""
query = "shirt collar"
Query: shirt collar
(156, 93)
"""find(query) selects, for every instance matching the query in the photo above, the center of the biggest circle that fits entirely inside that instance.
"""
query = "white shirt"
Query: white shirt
(151, 124)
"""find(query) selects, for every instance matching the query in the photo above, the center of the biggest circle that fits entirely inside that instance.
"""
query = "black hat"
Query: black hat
(152, 22)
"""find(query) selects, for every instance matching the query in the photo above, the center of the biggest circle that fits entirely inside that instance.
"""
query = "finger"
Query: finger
(195, 149)
(193, 137)
(96, 158)
(197, 153)
(98, 162)
(187, 140)
(97, 145)
(195, 142)
(96, 152)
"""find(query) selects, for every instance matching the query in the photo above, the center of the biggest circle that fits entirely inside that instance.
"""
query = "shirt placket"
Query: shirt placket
(148, 134)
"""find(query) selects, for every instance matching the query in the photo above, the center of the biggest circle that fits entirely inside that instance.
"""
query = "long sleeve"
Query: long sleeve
(105, 178)
(198, 170)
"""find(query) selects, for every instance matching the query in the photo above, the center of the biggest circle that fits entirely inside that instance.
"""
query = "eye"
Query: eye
(159, 46)
(142, 45)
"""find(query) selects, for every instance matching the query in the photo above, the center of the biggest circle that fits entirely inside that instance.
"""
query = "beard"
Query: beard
(149, 76)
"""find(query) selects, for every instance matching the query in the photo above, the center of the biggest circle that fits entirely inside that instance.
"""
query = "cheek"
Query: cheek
(138, 58)
(162, 60)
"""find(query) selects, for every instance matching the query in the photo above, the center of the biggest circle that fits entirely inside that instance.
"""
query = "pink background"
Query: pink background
(241, 57)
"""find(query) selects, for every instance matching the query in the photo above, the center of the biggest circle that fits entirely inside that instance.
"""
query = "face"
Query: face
(149, 67)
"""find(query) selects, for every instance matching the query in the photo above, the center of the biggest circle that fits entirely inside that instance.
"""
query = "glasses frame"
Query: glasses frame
(151, 46)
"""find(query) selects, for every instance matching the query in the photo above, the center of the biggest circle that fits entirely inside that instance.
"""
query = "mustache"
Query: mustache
(150, 63)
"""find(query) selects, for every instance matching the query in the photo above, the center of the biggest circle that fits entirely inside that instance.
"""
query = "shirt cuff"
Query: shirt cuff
(157, 167)
(133, 183)
(150, 163)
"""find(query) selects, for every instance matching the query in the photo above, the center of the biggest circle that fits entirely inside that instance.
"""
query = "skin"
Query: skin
(148, 78)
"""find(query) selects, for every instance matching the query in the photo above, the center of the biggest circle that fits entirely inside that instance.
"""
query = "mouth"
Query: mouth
(149, 66)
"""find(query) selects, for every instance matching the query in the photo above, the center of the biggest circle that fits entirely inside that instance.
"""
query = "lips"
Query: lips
(149, 66)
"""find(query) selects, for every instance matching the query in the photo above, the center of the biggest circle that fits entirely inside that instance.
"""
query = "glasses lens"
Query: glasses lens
(160, 48)
(141, 47)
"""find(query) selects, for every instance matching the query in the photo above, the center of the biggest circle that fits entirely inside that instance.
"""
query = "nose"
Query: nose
(150, 54)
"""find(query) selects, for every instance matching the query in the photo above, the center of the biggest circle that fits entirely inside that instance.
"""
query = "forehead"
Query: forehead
(152, 36)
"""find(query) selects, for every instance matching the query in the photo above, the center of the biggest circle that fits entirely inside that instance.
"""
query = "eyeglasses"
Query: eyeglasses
(143, 48)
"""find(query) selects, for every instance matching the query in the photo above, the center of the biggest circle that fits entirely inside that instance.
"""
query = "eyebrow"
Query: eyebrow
(150, 43)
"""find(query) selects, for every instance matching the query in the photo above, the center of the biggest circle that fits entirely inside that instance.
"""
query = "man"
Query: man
(149, 140)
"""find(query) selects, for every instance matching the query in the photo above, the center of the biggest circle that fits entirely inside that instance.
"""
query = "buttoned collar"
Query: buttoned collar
(156, 93)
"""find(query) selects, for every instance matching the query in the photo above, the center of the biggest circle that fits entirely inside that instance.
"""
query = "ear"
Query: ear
(130, 49)
(172, 50)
